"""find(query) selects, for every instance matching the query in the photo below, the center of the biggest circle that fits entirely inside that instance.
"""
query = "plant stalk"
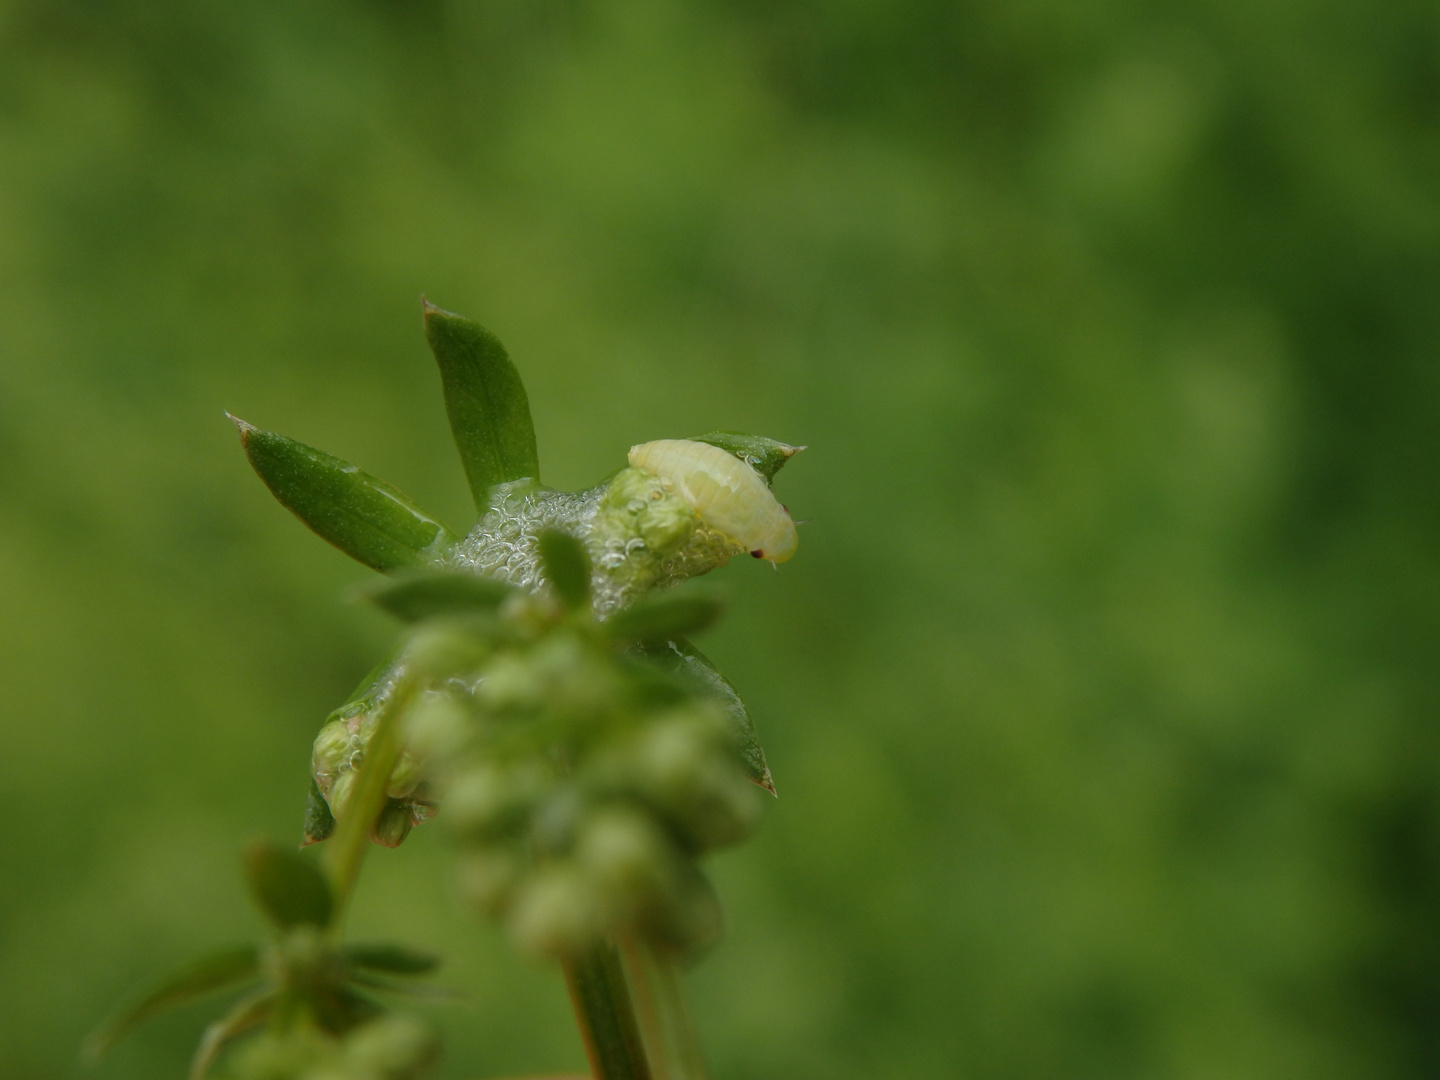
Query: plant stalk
(346, 851)
(675, 1008)
(605, 1015)
(670, 1037)
(639, 972)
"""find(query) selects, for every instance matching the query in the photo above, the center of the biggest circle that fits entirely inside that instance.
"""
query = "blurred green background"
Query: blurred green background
(1102, 696)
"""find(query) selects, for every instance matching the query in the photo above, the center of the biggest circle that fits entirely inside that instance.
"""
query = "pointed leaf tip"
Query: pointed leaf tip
(485, 400)
(699, 674)
(366, 518)
(244, 427)
(766, 781)
(765, 456)
(319, 821)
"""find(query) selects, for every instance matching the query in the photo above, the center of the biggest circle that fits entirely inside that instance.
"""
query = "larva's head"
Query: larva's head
(779, 544)
(724, 491)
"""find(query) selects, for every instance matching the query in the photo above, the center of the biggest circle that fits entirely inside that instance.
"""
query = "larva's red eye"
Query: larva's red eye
(757, 554)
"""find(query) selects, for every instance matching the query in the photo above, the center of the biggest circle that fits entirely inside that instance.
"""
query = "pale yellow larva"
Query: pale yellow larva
(726, 492)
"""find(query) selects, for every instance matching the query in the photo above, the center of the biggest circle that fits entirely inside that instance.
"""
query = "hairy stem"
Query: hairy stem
(605, 1015)
(348, 847)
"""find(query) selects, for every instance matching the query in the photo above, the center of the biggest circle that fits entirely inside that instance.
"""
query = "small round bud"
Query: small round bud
(692, 921)
(393, 825)
(531, 615)
(405, 777)
(300, 1052)
(446, 649)
(391, 1047)
(637, 507)
(577, 683)
(554, 822)
(557, 912)
(487, 877)
(332, 749)
(340, 790)
(627, 854)
(510, 683)
(489, 800)
(437, 727)
(688, 772)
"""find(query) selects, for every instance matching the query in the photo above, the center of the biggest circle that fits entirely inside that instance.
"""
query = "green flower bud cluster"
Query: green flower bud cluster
(339, 750)
(639, 537)
(312, 993)
(582, 780)
(606, 845)
(390, 1047)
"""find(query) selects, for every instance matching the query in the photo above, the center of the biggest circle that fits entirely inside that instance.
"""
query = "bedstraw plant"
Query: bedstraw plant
(546, 702)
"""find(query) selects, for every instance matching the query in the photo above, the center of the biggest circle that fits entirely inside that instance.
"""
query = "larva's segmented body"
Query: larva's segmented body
(727, 493)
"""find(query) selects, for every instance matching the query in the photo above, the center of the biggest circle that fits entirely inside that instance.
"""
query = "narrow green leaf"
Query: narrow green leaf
(425, 991)
(364, 517)
(395, 959)
(428, 593)
(765, 456)
(377, 681)
(247, 1013)
(665, 617)
(214, 971)
(699, 675)
(338, 1009)
(567, 567)
(290, 888)
(485, 400)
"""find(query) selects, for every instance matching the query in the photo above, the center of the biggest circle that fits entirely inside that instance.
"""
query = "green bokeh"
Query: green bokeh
(1103, 695)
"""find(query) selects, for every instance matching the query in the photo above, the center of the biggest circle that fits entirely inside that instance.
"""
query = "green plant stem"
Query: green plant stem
(674, 1011)
(605, 1015)
(348, 847)
(640, 973)
(664, 1013)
